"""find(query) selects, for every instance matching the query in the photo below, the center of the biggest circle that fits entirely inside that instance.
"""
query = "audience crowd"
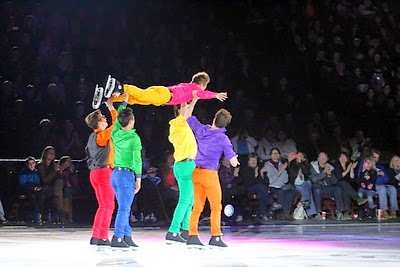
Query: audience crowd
(320, 77)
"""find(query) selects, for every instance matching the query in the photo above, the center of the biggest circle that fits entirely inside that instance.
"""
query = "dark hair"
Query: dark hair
(63, 159)
(92, 120)
(326, 153)
(124, 116)
(29, 159)
(376, 151)
(344, 153)
(222, 118)
(252, 155)
(201, 78)
(275, 148)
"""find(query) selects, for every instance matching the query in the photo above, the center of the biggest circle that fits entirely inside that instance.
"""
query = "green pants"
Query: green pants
(183, 174)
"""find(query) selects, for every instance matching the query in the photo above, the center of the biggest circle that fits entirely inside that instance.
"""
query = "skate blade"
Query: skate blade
(120, 249)
(196, 247)
(110, 85)
(97, 97)
(174, 243)
(103, 248)
(216, 248)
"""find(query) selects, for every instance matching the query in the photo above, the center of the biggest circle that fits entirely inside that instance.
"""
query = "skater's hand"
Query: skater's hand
(137, 185)
(221, 96)
(109, 103)
(126, 97)
(234, 161)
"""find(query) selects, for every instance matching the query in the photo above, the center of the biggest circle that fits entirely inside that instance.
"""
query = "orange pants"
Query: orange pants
(206, 184)
(154, 95)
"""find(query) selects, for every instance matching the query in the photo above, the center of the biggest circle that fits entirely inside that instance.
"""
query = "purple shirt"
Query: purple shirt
(211, 144)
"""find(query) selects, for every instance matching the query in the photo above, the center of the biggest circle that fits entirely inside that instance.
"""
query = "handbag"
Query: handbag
(299, 213)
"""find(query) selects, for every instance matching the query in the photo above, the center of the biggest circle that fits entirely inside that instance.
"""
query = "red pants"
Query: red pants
(206, 184)
(101, 182)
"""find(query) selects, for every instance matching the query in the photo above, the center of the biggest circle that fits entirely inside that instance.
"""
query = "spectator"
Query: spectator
(325, 182)
(394, 172)
(69, 142)
(299, 176)
(367, 184)
(231, 190)
(29, 182)
(344, 170)
(384, 189)
(285, 144)
(265, 145)
(3, 219)
(278, 178)
(71, 187)
(254, 181)
(243, 144)
(51, 183)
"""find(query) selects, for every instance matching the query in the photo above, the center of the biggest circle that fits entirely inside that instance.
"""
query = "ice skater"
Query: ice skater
(212, 142)
(157, 95)
(127, 173)
(184, 142)
(100, 161)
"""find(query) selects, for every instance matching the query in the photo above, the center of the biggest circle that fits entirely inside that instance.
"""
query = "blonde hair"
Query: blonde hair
(372, 161)
(392, 161)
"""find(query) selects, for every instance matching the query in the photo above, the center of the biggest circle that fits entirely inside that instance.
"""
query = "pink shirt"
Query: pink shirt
(183, 93)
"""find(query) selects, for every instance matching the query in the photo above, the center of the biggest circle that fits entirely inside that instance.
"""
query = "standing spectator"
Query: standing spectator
(29, 181)
(243, 144)
(299, 176)
(325, 182)
(278, 178)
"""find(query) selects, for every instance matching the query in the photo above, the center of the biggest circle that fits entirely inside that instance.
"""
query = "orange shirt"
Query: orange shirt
(104, 137)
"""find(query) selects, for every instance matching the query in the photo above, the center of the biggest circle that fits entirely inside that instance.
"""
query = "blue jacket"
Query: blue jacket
(29, 177)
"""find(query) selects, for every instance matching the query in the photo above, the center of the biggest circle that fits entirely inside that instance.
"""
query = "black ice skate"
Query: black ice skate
(174, 238)
(113, 86)
(217, 242)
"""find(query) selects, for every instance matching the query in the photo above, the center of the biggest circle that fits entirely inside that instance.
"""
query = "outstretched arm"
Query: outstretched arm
(189, 108)
(209, 95)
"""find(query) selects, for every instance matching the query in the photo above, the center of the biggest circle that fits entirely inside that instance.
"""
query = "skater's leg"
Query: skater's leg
(154, 95)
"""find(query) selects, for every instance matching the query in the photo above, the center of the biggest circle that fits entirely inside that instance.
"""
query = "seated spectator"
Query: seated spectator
(3, 219)
(299, 176)
(51, 183)
(344, 170)
(170, 190)
(384, 189)
(228, 177)
(285, 144)
(243, 144)
(29, 182)
(394, 172)
(278, 178)
(325, 182)
(254, 182)
(367, 180)
(71, 186)
(265, 144)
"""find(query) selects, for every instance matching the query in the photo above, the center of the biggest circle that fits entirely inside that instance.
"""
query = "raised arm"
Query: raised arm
(209, 95)
(122, 106)
(189, 109)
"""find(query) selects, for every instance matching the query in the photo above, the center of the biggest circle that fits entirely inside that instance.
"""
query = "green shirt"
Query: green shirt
(127, 146)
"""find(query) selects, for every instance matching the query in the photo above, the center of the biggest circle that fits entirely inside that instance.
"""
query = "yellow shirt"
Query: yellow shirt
(182, 138)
